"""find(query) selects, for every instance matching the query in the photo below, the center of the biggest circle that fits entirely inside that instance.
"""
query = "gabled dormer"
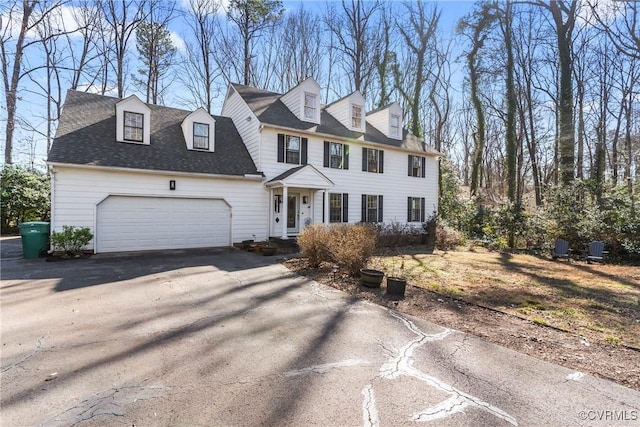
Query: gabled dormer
(133, 121)
(304, 101)
(349, 111)
(388, 120)
(198, 129)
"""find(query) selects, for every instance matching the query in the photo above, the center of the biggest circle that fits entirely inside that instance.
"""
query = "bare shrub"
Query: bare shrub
(313, 244)
(447, 238)
(398, 234)
(351, 246)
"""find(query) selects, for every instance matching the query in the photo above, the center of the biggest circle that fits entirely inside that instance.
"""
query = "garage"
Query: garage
(129, 223)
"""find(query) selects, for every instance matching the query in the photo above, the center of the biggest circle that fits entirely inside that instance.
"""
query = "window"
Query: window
(133, 126)
(415, 209)
(416, 166)
(372, 160)
(356, 116)
(293, 150)
(371, 208)
(201, 136)
(395, 126)
(310, 106)
(338, 207)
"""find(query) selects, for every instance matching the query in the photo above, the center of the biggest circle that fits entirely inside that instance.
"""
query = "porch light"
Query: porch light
(172, 184)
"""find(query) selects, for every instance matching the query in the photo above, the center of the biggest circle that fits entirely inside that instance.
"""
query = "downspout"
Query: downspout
(259, 165)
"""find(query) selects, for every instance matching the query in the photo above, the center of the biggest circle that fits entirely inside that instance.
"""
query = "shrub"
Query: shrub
(71, 240)
(448, 238)
(24, 196)
(351, 246)
(313, 244)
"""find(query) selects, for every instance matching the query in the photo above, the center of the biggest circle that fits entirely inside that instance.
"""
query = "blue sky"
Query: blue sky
(31, 108)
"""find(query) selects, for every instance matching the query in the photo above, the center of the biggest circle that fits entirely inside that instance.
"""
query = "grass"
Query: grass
(598, 301)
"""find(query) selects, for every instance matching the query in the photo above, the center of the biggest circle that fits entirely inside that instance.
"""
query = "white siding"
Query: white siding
(78, 191)
(394, 184)
(294, 99)
(246, 123)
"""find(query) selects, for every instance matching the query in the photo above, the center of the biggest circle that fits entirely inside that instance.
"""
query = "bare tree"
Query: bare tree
(418, 33)
(250, 18)
(122, 18)
(355, 35)
(564, 15)
(12, 48)
(155, 49)
(476, 27)
(200, 69)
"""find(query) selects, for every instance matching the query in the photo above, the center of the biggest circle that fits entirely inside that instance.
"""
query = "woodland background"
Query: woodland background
(534, 104)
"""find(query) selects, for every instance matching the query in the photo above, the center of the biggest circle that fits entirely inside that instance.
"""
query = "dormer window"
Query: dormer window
(199, 131)
(133, 126)
(310, 106)
(200, 136)
(356, 116)
(394, 126)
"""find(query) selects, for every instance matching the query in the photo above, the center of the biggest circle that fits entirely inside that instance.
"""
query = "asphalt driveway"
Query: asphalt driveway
(221, 337)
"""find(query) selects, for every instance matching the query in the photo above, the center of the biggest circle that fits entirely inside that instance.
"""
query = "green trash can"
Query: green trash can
(35, 238)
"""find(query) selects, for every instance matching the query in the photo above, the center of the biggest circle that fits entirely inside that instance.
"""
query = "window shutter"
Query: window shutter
(280, 148)
(364, 159)
(326, 153)
(303, 149)
(422, 209)
(410, 165)
(345, 164)
(409, 208)
(380, 208)
(364, 208)
(345, 207)
(380, 161)
(424, 163)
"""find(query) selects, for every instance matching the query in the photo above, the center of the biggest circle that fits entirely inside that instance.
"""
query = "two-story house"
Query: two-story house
(145, 177)
(334, 163)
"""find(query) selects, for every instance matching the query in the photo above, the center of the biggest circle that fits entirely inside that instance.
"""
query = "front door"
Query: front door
(293, 214)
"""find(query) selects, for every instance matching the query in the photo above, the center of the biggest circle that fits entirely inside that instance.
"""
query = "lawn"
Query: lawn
(598, 301)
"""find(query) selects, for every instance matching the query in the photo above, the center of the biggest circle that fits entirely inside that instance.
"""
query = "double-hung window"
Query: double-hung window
(336, 155)
(372, 160)
(415, 209)
(200, 136)
(417, 166)
(310, 107)
(133, 126)
(394, 127)
(356, 116)
(371, 208)
(292, 149)
(338, 207)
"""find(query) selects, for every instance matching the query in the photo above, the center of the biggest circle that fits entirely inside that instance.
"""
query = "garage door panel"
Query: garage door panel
(147, 223)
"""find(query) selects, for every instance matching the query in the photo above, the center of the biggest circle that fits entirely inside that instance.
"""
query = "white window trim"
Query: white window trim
(208, 136)
(353, 117)
(395, 131)
(314, 108)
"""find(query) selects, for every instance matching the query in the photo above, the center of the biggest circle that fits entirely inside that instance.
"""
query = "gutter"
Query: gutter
(249, 177)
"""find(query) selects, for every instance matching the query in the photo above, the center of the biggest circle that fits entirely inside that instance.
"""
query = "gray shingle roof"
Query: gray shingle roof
(86, 135)
(269, 109)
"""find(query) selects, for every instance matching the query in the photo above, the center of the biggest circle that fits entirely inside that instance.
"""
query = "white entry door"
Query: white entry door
(127, 223)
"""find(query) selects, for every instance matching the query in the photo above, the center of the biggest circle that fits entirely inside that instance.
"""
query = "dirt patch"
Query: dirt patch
(585, 352)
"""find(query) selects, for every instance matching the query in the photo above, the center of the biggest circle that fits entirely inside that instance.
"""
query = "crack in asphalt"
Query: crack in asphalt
(35, 351)
(109, 402)
(402, 364)
(369, 410)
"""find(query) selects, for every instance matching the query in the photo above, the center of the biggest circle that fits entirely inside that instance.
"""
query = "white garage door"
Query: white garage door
(150, 223)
